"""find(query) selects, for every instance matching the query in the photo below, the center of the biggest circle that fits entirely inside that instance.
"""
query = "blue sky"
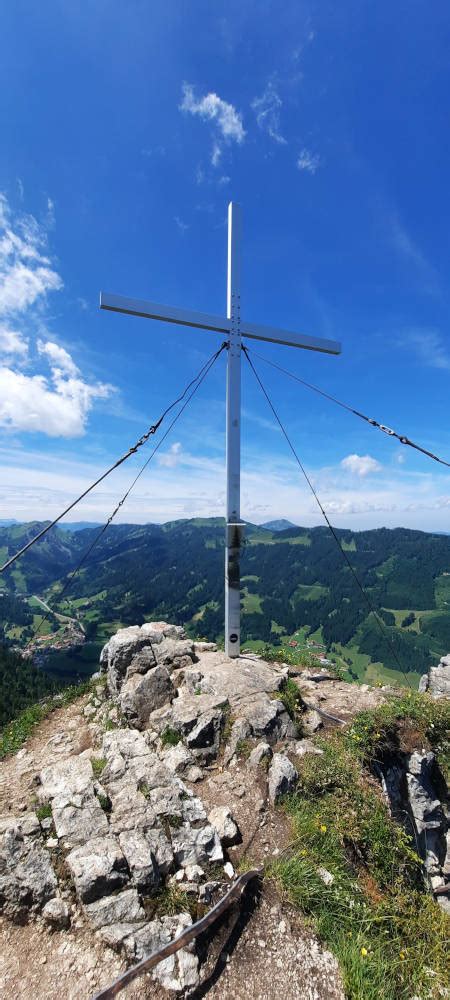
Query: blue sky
(126, 129)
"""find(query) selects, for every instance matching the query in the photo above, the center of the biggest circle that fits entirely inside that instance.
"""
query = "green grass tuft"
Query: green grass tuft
(44, 812)
(98, 765)
(170, 737)
(290, 695)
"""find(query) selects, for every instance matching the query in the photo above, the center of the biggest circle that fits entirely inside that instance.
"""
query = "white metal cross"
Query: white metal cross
(234, 328)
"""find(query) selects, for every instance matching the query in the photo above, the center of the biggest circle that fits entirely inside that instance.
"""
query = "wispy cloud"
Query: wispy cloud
(408, 249)
(182, 226)
(227, 121)
(308, 162)
(429, 346)
(267, 110)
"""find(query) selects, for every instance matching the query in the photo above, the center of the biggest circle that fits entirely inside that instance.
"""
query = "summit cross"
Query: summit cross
(234, 329)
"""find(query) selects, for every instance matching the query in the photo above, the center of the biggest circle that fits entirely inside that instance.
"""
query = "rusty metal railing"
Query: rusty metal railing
(183, 939)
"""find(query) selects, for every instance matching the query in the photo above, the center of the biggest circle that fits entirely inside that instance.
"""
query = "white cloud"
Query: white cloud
(26, 274)
(58, 357)
(55, 403)
(12, 343)
(58, 407)
(213, 108)
(172, 457)
(309, 162)
(360, 465)
(267, 111)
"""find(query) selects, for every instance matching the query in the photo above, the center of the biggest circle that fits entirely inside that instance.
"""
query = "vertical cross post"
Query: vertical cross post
(233, 527)
(232, 327)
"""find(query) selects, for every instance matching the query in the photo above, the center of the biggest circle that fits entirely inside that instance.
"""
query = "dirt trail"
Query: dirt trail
(261, 949)
(61, 735)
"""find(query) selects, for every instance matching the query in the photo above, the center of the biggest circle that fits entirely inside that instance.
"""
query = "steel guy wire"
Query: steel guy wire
(345, 406)
(378, 620)
(199, 379)
(131, 451)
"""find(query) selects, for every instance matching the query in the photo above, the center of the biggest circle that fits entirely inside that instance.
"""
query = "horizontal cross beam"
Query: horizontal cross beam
(217, 324)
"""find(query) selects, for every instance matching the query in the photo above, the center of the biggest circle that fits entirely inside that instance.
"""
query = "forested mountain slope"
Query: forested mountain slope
(295, 583)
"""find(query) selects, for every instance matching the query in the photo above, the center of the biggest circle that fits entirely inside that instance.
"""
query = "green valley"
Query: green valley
(296, 587)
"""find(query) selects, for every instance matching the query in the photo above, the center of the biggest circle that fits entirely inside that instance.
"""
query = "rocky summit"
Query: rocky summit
(139, 818)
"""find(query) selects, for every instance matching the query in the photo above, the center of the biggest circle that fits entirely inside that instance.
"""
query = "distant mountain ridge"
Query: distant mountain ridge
(279, 524)
(295, 585)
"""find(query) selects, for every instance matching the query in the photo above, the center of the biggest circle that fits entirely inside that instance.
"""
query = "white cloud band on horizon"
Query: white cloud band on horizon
(187, 485)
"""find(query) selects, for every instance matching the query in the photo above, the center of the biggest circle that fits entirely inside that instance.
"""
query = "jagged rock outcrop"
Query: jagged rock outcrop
(437, 681)
(282, 777)
(415, 790)
(138, 662)
(27, 877)
(127, 829)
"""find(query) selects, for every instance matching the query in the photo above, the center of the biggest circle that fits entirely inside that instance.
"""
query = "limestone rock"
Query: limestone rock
(77, 813)
(311, 721)
(205, 647)
(66, 779)
(130, 809)
(161, 850)
(28, 824)
(222, 820)
(425, 806)
(282, 777)
(98, 868)
(439, 679)
(27, 878)
(262, 752)
(177, 758)
(74, 824)
(302, 747)
(268, 717)
(204, 738)
(56, 914)
(240, 730)
(140, 695)
(141, 862)
(178, 972)
(122, 908)
(153, 644)
(196, 847)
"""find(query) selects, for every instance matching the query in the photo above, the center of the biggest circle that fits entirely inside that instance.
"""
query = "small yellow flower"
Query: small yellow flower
(402, 955)
(323, 828)
(377, 736)
(303, 853)
(364, 952)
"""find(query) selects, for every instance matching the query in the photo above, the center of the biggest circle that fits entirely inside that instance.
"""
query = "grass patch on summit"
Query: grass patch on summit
(15, 733)
(386, 931)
